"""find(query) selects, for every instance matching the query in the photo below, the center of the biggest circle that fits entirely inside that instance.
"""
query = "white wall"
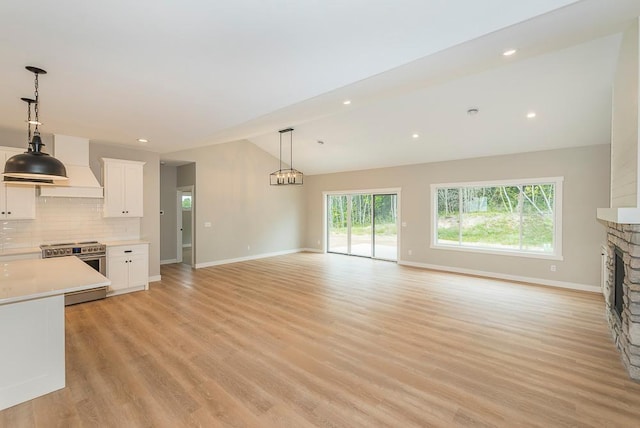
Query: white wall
(586, 187)
(624, 123)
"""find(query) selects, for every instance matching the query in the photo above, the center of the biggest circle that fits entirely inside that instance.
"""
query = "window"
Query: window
(517, 217)
(186, 202)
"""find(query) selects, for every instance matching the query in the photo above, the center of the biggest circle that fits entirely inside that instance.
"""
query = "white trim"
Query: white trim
(169, 262)
(362, 191)
(525, 181)
(518, 278)
(619, 215)
(247, 258)
(496, 251)
(557, 220)
(155, 278)
(186, 245)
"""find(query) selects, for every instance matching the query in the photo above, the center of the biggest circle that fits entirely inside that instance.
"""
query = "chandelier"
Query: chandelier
(283, 177)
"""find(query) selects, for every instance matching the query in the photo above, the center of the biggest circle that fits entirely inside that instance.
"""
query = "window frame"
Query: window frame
(557, 217)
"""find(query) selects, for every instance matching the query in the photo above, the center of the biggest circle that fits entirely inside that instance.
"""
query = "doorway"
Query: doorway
(185, 222)
(363, 224)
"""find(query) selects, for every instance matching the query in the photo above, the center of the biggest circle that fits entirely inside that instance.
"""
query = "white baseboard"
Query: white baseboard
(168, 262)
(155, 278)
(537, 281)
(311, 250)
(247, 258)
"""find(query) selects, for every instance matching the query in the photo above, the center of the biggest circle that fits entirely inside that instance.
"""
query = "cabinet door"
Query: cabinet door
(118, 272)
(20, 202)
(114, 202)
(138, 270)
(133, 190)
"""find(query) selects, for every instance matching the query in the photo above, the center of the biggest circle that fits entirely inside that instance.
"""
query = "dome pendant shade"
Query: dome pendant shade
(35, 164)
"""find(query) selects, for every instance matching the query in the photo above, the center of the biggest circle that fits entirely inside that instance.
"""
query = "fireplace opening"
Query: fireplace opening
(618, 294)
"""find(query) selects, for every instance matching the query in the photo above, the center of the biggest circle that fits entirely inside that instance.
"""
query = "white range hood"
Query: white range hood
(73, 152)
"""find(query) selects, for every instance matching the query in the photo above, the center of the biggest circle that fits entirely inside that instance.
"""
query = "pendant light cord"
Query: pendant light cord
(29, 124)
(35, 108)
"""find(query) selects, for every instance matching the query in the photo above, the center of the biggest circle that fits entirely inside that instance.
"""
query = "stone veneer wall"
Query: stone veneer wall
(625, 331)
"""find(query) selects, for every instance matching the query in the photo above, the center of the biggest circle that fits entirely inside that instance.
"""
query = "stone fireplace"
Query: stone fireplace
(624, 239)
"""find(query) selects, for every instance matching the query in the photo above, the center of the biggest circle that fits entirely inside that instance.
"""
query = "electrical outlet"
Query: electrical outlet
(207, 224)
(404, 224)
(248, 247)
(410, 252)
(553, 268)
(318, 242)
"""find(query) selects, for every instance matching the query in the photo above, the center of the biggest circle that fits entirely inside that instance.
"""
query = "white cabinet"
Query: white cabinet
(122, 187)
(17, 201)
(128, 268)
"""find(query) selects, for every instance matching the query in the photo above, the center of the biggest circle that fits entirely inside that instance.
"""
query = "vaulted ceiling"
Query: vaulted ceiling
(196, 72)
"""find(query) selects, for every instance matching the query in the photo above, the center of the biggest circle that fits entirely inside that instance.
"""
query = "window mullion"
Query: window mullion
(520, 208)
(460, 216)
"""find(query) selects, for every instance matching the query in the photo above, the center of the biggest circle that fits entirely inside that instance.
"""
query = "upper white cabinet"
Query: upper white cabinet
(17, 201)
(122, 187)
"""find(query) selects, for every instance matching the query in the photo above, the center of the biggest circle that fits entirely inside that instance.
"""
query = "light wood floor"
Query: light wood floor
(335, 341)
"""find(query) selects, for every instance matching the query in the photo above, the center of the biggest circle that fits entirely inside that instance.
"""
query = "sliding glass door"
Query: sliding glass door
(338, 224)
(385, 231)
(363, 224)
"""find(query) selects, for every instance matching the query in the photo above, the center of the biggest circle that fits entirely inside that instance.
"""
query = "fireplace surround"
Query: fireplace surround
(623, 245)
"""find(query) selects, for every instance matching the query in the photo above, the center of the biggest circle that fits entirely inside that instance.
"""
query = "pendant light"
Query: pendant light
(283, 177)
(15, 180)
(34, 166)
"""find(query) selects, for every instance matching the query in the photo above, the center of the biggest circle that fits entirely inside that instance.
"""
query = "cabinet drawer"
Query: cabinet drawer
(127, 250)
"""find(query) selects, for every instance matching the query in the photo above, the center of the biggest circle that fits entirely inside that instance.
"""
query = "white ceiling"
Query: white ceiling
(197, 72)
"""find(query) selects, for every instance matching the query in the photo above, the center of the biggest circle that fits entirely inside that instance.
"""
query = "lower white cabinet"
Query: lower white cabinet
(128, 268)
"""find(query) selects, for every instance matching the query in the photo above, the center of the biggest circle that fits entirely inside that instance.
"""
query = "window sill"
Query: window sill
(497, 252)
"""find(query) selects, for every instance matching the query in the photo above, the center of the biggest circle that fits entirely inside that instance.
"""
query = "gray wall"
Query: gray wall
(586, 187)
(168, 220)
(150, 223)
(248, 216)
(186, 175)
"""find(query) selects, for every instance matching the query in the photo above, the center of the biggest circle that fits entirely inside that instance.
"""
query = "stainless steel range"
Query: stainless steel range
(92, 253)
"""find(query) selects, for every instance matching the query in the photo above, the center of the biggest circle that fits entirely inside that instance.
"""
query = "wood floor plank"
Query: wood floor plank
(325, 340)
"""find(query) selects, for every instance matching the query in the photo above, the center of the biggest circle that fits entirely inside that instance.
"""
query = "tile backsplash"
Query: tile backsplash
(66, 220)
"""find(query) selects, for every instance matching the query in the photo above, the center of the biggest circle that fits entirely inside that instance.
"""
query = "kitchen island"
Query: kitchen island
(32, 357)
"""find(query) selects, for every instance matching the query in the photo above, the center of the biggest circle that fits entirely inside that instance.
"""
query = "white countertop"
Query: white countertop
(22, 280)
(131, 242)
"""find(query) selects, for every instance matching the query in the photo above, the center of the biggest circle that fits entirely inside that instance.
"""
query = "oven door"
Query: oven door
(99, 263)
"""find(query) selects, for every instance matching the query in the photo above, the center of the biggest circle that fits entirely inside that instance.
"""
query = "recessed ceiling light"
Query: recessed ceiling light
(142, 140)
(509, 52)
(320, 142)
(473, 111)
(415, 136)
(346, 102)
(531, 115)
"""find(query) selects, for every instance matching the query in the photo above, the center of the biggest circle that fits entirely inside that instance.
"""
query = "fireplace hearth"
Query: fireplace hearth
(621, 291)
